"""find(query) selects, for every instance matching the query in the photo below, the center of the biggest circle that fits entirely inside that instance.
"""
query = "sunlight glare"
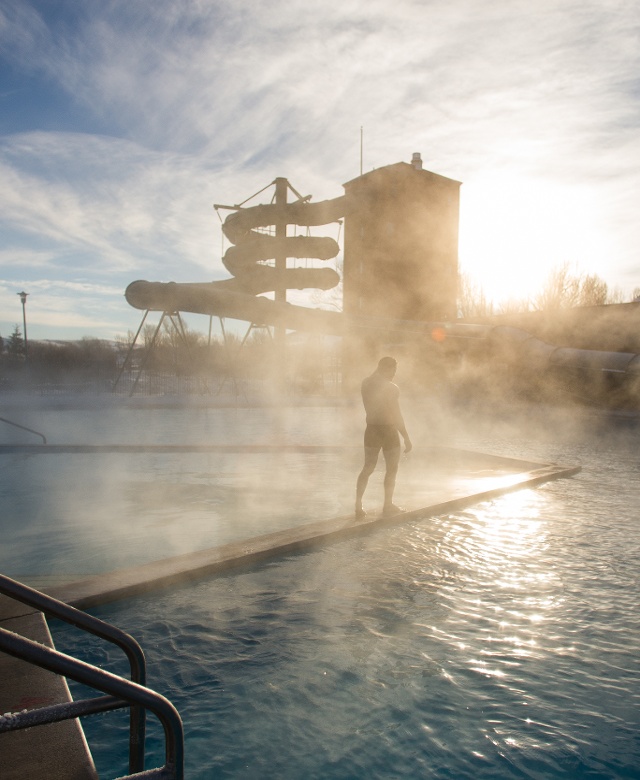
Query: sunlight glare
(515, 230)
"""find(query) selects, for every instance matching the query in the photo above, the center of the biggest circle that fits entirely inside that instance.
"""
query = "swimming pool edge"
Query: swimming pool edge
(134, 581)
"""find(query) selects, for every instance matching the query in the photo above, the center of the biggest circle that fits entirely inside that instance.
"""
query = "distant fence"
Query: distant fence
(148, 383)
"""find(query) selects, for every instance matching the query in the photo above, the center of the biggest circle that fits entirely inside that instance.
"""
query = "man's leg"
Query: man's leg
(370, 460)
(392, 460)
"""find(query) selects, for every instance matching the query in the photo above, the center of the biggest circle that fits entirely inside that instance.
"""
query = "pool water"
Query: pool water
(68, 515)
(65, 516)
(498, 642)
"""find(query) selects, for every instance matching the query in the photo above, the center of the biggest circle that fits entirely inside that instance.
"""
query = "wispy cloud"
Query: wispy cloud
(203, 102)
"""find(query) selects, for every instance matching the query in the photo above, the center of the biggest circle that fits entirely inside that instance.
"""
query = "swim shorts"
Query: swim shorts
(385, 436)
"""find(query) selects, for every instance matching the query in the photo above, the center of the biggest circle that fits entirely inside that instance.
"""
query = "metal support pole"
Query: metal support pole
(282, 187)
(23, 299)
(130, 350)
(148, 352)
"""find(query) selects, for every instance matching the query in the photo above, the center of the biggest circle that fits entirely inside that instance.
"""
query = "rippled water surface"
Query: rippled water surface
(500, 642)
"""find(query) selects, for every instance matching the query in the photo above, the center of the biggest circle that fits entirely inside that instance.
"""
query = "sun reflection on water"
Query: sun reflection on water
(505, 589)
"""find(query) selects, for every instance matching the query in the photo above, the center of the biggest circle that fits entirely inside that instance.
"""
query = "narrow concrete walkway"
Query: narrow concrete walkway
(129, 582)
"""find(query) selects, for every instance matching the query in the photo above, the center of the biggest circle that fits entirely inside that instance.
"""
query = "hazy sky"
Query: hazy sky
(123, 121)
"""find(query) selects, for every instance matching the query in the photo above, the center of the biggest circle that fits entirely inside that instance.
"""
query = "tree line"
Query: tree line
(51, 361)
(180, 351)
(563, 289)
(167, 352)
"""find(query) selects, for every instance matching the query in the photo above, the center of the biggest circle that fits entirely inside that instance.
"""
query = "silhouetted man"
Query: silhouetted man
(381, 400)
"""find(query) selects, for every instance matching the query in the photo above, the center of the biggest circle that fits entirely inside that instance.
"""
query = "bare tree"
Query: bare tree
(564, 290)
(561, 290)
(472, 301)
(514, 306)
(593, 291)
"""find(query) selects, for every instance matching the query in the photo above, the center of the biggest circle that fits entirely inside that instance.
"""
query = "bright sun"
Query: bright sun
(514, 231)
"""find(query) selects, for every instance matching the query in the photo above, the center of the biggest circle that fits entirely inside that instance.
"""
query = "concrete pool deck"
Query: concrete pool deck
(59, 751)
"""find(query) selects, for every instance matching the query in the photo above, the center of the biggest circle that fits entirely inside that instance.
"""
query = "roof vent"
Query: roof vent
(416, 161)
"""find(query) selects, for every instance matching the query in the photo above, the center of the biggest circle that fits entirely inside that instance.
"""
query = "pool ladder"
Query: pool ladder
(120, 692)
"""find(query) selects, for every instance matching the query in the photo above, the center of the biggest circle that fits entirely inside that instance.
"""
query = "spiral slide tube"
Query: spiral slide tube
(245, 261)
(251, 248)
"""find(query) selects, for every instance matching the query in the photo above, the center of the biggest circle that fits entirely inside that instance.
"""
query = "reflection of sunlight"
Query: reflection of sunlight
(522, 502)
(483, 668)
(501, 547)
(511, 527)
(484, 484)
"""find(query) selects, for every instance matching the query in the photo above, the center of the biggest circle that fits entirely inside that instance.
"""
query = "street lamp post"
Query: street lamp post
(23, 298)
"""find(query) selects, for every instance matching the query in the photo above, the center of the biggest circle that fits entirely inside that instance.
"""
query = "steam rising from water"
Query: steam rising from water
(489, 642)
(74, 514)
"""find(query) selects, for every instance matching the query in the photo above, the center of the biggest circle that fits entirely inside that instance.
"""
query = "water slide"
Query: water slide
(240, 296)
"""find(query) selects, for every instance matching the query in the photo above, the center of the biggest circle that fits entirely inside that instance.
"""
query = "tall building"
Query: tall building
(401, 244)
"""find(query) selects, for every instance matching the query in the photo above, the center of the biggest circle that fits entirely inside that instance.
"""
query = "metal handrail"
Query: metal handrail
(24, 428)
(122, 693)
(58, 609)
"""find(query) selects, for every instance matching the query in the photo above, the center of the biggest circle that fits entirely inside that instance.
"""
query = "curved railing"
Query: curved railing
(121, 694)
(24, 428)
(131, 694)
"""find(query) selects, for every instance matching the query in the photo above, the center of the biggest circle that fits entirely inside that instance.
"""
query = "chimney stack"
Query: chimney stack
(416, 161)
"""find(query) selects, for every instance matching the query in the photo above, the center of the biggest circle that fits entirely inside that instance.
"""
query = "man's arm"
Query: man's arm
(408, 446)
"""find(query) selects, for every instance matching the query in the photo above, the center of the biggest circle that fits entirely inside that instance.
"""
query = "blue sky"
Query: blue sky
(123, 121)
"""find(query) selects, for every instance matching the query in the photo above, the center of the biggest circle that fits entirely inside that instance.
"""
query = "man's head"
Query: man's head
(387, 367)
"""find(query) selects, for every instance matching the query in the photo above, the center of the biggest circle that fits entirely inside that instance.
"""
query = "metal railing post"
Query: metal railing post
(75, 617)
(121, 691)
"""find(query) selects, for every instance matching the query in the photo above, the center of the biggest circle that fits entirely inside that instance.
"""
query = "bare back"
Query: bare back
(381, 401)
